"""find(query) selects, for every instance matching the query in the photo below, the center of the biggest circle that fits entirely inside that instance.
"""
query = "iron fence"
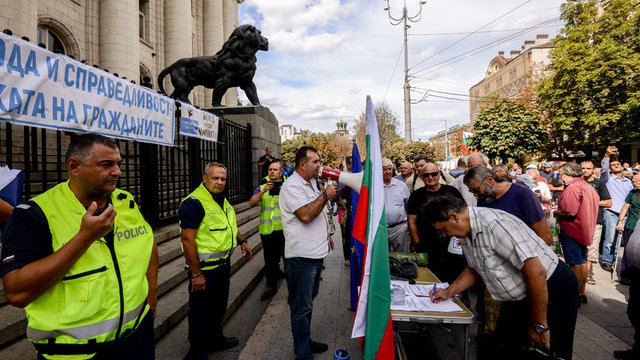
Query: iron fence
(158, 176)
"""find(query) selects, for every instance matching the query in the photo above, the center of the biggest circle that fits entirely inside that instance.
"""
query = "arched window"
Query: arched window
(50, 40)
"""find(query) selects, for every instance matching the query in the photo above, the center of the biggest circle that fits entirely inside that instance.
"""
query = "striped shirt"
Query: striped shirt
(498, 246)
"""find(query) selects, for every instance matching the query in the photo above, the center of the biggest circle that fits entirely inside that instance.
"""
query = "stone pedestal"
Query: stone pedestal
(264, 130)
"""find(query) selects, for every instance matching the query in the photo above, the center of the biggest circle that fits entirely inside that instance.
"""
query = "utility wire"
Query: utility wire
(474, 32)
(464, 37)
(460, 57)
(393, 73)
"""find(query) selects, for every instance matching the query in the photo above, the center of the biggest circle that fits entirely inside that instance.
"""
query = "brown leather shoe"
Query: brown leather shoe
(606, 267)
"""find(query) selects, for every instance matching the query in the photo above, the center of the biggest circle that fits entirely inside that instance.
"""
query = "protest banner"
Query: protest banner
(198, 123)
(42, 89)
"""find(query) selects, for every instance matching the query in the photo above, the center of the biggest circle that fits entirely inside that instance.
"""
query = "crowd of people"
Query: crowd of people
(82, 261)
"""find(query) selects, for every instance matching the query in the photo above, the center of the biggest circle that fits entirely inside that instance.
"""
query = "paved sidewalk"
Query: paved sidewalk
(602, 325)
(331, 322)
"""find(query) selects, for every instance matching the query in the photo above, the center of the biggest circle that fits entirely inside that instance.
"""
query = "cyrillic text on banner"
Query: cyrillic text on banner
(43, 89)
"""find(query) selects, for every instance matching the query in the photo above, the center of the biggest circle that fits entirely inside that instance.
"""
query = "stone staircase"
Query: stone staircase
(173, 304)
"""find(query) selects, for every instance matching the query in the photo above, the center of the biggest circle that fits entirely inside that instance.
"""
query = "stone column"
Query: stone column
(21, 17)
(177, 34)
(119, 41)
(230, 21)
(213, 35)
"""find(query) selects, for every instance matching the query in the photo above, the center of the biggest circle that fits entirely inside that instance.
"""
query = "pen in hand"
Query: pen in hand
(433, 293)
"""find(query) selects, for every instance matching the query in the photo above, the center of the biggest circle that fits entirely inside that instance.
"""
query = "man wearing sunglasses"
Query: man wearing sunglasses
(424, 237)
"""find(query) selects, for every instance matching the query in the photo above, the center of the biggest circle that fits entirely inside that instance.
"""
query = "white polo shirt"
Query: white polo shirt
(302, 240)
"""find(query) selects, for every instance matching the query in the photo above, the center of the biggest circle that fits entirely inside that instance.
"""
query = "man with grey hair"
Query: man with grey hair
(209, 235)
(396, 197)
(537, 290)
(406, 171)
(496, 193)
(577, 214)
(476, 159)
(541, 189)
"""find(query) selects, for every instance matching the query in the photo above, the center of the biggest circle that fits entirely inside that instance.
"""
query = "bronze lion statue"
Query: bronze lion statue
(234, 65)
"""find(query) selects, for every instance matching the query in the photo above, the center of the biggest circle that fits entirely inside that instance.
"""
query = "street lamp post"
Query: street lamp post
(404, 19)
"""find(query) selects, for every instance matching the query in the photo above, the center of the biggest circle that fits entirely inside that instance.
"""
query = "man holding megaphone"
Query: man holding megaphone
(307, 242)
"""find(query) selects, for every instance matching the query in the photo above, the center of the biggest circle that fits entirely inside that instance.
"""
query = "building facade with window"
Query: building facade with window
(512, 77)
(133, 38)
(287, 132)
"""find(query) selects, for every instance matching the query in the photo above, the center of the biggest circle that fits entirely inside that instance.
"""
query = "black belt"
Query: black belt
(396, 224)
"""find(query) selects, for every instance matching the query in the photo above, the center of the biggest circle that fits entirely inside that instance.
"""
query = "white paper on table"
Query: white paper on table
(454, 246)
(415, 303)
(425, 289)
(441, 306)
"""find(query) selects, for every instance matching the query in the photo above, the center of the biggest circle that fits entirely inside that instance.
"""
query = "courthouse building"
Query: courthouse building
(133, 38)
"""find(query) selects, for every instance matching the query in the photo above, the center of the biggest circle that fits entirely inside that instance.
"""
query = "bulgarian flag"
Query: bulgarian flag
(373, 315)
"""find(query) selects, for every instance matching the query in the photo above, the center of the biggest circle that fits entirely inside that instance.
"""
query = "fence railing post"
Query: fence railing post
(149, 179)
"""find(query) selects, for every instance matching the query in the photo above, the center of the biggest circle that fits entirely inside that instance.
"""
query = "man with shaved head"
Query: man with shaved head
(424, 236)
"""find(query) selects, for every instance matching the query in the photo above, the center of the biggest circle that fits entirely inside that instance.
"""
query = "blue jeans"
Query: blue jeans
(303, 281)
(610, 236)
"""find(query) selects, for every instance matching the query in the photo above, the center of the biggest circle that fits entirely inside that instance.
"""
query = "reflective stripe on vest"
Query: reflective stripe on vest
(86, 305)
(270, 218)
(219, 254)
(86, 331)
(217, 232)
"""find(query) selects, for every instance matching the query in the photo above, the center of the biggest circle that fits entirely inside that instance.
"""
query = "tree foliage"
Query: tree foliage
(417, 148)
(387, 129)
(592, 94)
(332, 148)
(507, 128)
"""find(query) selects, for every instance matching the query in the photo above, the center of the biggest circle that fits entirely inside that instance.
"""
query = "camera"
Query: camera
(276, 188)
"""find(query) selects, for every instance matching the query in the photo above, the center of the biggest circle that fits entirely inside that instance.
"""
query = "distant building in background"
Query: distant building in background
(455, 136)
(133, 38)
(341, 130)
(287, 132)
(513, 77)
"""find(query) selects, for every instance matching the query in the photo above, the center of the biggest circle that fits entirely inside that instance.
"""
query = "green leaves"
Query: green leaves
(592, 94)
(508, 129)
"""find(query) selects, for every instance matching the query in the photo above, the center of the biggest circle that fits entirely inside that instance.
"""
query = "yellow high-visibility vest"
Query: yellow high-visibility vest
(216, 237)
(104, 293)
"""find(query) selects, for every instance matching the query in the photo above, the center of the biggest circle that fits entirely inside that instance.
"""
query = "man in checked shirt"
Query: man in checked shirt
(539, 293)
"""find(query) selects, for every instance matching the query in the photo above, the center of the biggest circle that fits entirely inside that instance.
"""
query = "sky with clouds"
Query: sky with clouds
(326, 56)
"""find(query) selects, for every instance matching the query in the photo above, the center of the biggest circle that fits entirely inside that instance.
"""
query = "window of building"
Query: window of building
(512, 75)
(143, 18)
(50, 40)
(499, 82)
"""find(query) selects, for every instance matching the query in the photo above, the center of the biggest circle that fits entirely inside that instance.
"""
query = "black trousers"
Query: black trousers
(206, 311)
(137, 344)
(273, 246)
(512, 329)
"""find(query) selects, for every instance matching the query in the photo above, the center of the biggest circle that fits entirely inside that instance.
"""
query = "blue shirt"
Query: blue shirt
(618, 187)
(396, 197)
(519, 201)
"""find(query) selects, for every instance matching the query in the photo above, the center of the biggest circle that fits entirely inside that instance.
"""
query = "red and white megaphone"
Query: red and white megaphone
(353, 181)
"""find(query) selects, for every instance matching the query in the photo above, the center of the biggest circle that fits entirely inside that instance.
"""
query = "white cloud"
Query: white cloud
(326, 55)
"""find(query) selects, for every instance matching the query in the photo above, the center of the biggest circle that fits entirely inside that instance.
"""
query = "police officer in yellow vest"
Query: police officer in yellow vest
(209, 234)
(270, 227)
(81, 260)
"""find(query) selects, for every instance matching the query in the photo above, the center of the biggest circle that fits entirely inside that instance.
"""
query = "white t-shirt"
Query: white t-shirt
(302, 240)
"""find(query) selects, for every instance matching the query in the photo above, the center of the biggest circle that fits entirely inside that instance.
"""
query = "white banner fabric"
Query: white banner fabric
(197, 123)
(43, 89)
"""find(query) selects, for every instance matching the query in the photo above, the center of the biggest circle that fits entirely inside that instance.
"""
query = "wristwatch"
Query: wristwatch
(540, 329)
